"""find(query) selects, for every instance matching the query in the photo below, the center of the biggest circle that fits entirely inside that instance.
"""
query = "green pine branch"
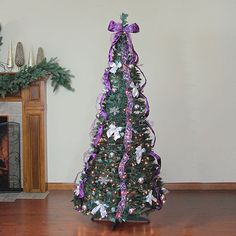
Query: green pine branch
(59, 76)
(123, 18)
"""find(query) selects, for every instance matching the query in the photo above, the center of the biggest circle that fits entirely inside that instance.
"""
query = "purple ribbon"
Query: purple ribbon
(157, 194)
(81, 188)
(82, 182)
(81, 185)
(127, 141)
(103, 113)
(98, 135)
(158, 160)
(141, 90)
(145, 79)
(106, 81)
(153, 132)
(119, 30)
(156, 189)
(117, 27)
(91, 157)
(146, 105)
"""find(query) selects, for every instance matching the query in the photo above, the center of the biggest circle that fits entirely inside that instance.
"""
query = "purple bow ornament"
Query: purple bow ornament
(119, 29)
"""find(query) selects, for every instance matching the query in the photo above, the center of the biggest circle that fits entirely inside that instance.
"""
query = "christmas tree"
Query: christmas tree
(121, 178)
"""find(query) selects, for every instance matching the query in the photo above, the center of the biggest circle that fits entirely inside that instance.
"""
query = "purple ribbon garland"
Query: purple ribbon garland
(146, 104)
(106, 81)
(98, 135)
(141, 90)
(127, 141)
(107, 84)
(119, 29)
(81, 188)
(103, 113)
(147, 110)
(153, 132)
(145, 79)
(156, 189)
(158, 160)
(90, 157)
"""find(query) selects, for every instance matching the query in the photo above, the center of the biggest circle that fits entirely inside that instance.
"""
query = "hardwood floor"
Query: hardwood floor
(186, 213)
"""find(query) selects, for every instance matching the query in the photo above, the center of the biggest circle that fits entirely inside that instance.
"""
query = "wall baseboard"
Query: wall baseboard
(169, 186)
(201, 186)
(60, 186)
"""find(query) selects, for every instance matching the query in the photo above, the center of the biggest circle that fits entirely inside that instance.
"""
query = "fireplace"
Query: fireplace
(23, 122)
(4, 154)
(10, 168)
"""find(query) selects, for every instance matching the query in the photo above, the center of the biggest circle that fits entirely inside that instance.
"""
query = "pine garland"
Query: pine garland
(59, 76)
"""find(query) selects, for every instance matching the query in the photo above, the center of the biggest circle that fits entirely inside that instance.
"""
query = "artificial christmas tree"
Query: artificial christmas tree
(121, 178)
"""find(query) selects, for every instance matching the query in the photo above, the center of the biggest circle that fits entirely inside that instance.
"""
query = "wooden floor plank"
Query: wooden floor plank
(186, 213)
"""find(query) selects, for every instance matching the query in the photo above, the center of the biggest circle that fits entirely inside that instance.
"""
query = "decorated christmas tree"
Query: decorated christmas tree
(120, 179)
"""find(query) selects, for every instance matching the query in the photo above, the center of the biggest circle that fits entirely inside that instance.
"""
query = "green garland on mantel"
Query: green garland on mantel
(14, 82)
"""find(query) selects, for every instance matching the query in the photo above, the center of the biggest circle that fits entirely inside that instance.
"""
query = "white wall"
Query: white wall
(188, 49)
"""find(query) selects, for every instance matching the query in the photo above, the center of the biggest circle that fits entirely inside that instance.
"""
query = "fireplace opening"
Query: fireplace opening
(10, 171)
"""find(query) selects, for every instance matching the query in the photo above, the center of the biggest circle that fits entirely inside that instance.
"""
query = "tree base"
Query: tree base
(130, 219)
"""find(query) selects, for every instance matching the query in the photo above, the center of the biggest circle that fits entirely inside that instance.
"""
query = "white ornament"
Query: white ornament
(114, 130)
(131, 210)
(114, 110)
(139, 152)
(103, 180)
(141, 180)
(77, 190)
(165, 191)
(112, 154)
(150, 198)
(134, 130)
(114, 67)
(87, 156)
(100, 207)
(135, 91)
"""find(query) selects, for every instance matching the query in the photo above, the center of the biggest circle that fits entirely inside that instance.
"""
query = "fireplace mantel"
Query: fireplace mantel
(33, 101)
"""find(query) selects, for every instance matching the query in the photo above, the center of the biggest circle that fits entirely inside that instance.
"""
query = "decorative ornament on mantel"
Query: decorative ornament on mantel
(20, 56)
(40, 55)
(2, 65)
(10, 61)
(31, 61)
